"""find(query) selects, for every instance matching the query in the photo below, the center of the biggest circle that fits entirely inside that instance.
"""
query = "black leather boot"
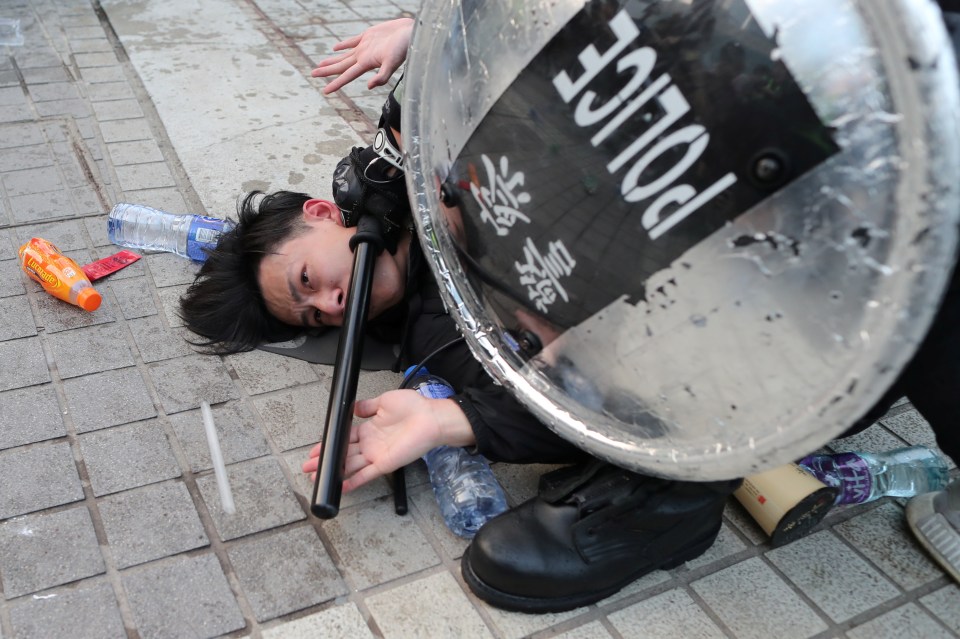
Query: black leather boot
(592, 530)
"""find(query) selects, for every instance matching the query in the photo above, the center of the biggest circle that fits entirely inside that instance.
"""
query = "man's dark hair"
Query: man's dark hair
(224, 304)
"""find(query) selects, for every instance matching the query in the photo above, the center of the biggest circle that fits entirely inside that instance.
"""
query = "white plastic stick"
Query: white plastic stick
(219, 469)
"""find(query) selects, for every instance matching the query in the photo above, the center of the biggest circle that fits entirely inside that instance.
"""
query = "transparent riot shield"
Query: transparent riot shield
(698, 238)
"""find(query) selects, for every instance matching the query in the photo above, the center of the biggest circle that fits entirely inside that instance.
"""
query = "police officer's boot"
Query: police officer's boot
(593, 529)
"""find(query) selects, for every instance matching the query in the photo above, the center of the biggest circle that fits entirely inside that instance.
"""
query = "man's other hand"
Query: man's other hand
(382, 46)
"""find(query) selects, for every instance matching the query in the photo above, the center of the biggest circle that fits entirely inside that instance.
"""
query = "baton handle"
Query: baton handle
(328, 486)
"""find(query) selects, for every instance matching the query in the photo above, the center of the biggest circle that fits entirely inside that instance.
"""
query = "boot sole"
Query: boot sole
(539, 605)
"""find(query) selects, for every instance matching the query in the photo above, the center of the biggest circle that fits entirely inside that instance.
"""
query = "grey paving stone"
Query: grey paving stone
(284, 572)
(125, 130)
(55, 315)
(108, 399)
(262, 496)
(261, 372)
(87, 612)
(151, 522)
(151, 175)
(14, 113)
(99, 59)
(79, 33)
(12, 96)
(105, 91)
(11, 280)
(29, 415)
(943, 604)
(592, 630)
(41, 206)
(342, 622)
(906, 622)
(16, 318)
(97, 228)
(169, 269)
(184, 382)
(879, 535)
(22, 363)
(170, 304)
(825, 569)
(89, 350)
(128, 456)
(734, 594)
(875, 439)
(431, 606)
(38, 477)
(102, 74)
(134, 296)
(37, 180)
(73, 108)
(156, 342)
(237, 430)
(65, 234)
(425, 501)
(727, 544)
(671, 614)
(295, 418)
(117, 110)
(54, 91)
(403, 549)
(185, 598)
(134, 152)
(91, 45)
(166, 199)
(14, 136)
(44, 550)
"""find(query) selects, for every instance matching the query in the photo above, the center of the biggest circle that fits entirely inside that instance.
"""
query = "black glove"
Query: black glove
(366, 184)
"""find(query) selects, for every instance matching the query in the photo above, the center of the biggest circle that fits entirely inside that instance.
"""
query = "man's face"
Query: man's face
(306, 281)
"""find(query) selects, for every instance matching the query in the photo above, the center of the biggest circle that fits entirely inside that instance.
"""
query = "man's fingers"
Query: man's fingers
(366, 407)
(347, 76)
(361, 477)
(349, 43)
(353, 464)
(315, 451)
(310, 466)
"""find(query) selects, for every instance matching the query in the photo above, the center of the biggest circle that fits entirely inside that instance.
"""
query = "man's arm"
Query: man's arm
(382, 46)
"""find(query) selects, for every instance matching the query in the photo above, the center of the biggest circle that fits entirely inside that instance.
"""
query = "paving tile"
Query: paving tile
(55, 315)
(16, 318)
(514, 625)
(401, 547)
(433, 606)
(128, 456)
(91, 45)
(151, 175)
(943, 604)
(134, 152)
(87, 612)
(727, 543)
(22, 363)
(156, 342)
(21, 134)
(11, 280)
(65, 234)
(834, 577)
(117, 110)
(880, 535)
(875, 439)
(73, 108)
(906, 622)
(90, 350)
(38, 477)
(170, 304)
(296, 417)
(125, 130)
(99, 59)
(54, 91)
(102, 74)
(12, 96)
(108, 399)
(284, 572)
(261, 372)
(135, 298)
(44, 550)
(261, 495)
(166, 199)
(671, 614)
(14, 113)
(592, 630)
(185, 598)
(41, 206)
(30, 415)
(169, 269)
(184, 382)
(151, 522)
(342, 622)
(734, 594)
(36, 180)
(238, 432)
(649, 580)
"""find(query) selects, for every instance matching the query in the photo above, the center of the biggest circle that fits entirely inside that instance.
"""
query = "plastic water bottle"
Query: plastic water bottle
(465, 487)
(863, 477)
(142, 227)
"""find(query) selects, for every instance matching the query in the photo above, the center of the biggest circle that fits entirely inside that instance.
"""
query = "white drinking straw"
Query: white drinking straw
(219, 469)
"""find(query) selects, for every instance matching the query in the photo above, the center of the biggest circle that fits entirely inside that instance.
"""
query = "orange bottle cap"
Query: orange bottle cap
(89, 299)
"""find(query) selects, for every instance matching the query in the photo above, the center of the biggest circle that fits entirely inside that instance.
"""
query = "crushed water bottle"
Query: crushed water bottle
(142, 227)
(862, 477)
(466, 489)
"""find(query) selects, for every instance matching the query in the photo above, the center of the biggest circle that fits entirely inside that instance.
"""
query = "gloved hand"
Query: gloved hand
(366, 184)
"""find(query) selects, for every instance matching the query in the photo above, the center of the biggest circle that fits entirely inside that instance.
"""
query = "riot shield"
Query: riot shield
(698, 238)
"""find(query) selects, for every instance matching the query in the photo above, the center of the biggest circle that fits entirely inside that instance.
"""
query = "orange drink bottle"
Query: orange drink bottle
(58, 274)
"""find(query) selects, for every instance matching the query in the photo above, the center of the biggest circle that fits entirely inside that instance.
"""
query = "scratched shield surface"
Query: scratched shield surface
(698, 239)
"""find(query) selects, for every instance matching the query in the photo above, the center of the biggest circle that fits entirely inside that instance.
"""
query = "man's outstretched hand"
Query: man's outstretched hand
(402, 426)
(382, 46)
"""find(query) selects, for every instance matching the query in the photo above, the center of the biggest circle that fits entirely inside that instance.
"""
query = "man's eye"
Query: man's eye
(316, 316)
(304, 279)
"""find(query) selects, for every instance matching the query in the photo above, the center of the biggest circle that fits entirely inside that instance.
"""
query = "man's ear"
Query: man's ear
(317, 209)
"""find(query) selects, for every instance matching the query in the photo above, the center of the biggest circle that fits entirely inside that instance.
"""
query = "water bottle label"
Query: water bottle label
(857, 482)
(204, 233)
